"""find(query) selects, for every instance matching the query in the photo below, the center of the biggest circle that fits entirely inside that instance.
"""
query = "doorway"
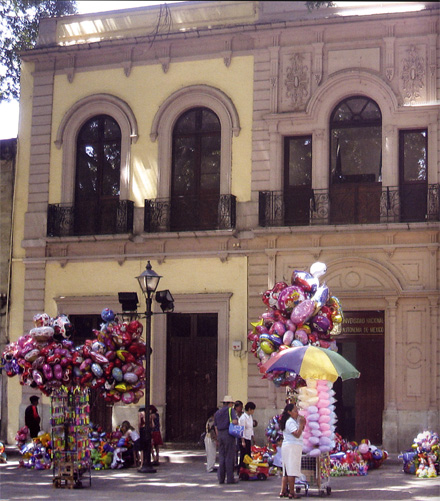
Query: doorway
(100, 410)
(360, 402)
(191, 375)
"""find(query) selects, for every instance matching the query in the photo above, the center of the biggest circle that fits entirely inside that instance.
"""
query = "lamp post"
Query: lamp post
(148, 281)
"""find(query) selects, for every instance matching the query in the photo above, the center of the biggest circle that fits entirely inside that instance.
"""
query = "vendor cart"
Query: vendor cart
(316, 469)
(70, 443)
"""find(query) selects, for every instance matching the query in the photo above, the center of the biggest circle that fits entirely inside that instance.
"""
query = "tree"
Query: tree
(318, 5)
(19, 20)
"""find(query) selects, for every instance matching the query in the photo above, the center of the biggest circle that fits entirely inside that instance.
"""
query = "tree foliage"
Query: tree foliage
(19, 21)
(317, 5)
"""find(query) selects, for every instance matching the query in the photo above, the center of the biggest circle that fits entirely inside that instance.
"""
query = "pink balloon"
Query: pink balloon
(323, 403)
(324, 419)
(325, 441)
(288, 337)
(327, 433)
(302, 311)
(315, 452)
(325, 411)
(325, 426)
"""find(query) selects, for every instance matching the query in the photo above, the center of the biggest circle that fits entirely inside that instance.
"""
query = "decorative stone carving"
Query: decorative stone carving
(413, 74)
(227, 53)
(128, 61)
(296, 80)
(70, 68)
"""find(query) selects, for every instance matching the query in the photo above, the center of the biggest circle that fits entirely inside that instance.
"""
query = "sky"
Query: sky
(9, 110)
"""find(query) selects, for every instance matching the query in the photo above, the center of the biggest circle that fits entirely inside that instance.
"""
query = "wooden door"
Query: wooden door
(352, 203)
(191, 374)
(360, 402)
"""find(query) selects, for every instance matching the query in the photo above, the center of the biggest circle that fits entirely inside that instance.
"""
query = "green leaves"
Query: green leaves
(19, 21)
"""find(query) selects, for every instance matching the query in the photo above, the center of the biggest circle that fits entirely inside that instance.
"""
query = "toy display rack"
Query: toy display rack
(70, 412)
(317, 470)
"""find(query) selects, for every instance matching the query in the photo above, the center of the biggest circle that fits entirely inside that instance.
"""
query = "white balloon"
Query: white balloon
(318, 269)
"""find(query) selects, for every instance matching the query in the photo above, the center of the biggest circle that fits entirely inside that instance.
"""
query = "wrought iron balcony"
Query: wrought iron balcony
(347, 204)
(214, 212)
(107, 217)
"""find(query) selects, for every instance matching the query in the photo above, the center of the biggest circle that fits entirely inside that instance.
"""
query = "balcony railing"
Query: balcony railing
(214, 212)
(103, 218)
(343, 204)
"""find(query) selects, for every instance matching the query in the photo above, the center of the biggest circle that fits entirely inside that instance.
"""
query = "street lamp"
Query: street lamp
(148, 282)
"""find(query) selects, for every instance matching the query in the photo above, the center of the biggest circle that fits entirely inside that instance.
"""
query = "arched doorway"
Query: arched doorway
(360, 402)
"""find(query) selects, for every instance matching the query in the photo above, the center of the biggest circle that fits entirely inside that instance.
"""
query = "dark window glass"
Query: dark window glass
(297, 180)
(414, 155)
(97, 184)
(356, 141)
(299, 161)
(413, 174)
(195, 186)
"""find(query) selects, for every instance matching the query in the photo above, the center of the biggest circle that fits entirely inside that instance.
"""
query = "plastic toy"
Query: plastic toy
(259, 472)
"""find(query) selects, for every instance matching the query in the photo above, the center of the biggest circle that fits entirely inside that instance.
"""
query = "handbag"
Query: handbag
(235, 429)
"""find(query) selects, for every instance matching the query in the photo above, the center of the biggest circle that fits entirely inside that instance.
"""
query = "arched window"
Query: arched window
(355, 161)
(195, 178)
(97, 178)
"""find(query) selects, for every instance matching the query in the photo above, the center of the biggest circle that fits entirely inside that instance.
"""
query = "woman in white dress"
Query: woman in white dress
(292, 426)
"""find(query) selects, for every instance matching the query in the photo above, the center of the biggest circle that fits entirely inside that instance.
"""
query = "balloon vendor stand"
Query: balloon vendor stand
(70, 412)
(317, 472)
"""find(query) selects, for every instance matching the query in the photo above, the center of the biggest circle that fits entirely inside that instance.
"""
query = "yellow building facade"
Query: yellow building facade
(257, 79)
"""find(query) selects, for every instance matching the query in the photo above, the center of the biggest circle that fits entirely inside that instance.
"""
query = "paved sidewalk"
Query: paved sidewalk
(182, 475)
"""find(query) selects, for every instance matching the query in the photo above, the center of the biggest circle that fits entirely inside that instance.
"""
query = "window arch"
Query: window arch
(355, 161)
(82, 111)
(169, 112)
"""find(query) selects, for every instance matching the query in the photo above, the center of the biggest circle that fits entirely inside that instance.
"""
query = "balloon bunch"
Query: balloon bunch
(46, 358)
(22, 437)
(316, 403)
(298, 314)
(349, 458)
(423, 459)
(112, 361)
(35, 453)
(349, 463)
(43, 357)
(273, 430)
(371, 454)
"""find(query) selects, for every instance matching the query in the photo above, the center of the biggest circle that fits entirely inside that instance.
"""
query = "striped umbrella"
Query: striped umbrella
(312, 362)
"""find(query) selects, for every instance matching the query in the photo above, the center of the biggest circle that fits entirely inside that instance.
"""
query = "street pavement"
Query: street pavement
(182, 475)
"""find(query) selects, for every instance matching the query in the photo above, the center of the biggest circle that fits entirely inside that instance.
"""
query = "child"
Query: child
(129, 432)
(277, 460)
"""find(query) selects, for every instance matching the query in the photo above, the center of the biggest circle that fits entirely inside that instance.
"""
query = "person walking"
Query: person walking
(292, 426)
(156, 436)
(226, 442)
(31, 417)
(210, 442)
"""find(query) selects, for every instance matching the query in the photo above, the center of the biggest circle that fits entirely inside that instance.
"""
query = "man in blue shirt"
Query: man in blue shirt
(226, 442)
